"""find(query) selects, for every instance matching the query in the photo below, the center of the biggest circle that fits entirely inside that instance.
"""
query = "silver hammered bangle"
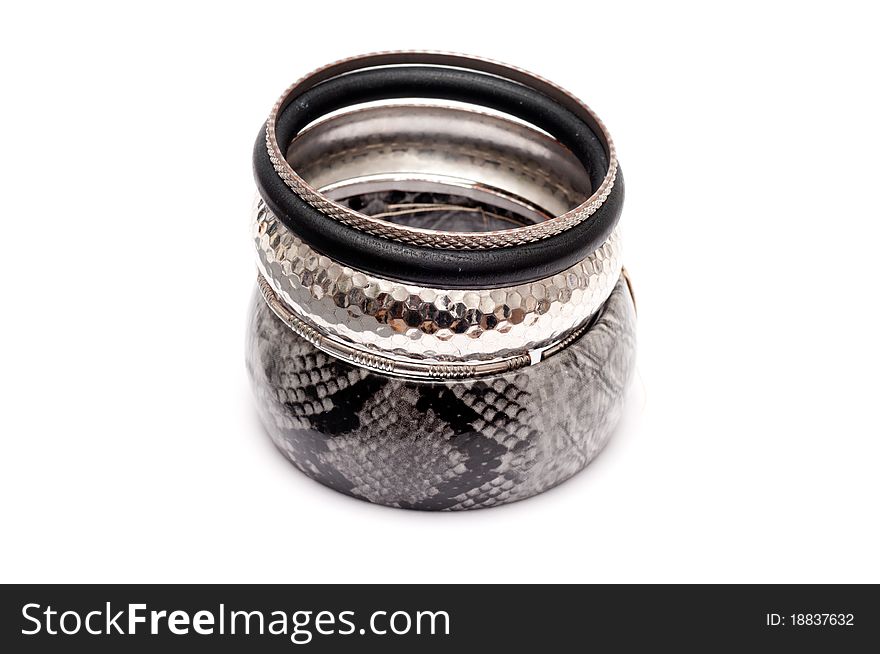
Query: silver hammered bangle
(402, 329)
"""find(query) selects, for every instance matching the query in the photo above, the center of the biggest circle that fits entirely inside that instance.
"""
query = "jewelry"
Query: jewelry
(439, 260)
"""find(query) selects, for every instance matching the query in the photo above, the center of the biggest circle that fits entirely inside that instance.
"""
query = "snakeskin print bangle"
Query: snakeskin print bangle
(442, 322)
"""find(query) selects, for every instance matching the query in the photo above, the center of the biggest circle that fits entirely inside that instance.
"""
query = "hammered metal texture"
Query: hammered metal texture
(410, 368)
(415, 322)
(442, 445)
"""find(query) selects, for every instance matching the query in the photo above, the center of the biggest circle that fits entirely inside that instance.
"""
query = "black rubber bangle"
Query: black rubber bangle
(435, 266)
(448, 84)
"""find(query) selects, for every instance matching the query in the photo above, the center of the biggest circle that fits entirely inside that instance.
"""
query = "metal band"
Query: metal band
(410, 369)
(419, 147)
(422, 326)
(436, 238)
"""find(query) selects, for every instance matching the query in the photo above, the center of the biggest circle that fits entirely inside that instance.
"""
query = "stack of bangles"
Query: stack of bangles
(443, 320)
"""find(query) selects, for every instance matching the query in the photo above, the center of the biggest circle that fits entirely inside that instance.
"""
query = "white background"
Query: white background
(131, 451)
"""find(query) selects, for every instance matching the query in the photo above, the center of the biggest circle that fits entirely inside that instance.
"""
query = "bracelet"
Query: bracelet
(448, 259)
(442, 319)
(408, 330)
(449, 445)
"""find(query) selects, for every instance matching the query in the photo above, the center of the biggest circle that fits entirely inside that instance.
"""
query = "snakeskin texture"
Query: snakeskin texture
(442, 445)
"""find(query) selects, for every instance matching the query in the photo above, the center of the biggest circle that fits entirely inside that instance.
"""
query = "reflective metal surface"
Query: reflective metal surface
(407, 322)
(418, 147)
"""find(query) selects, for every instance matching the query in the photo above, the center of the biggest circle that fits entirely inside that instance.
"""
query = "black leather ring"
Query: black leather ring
(435, 266)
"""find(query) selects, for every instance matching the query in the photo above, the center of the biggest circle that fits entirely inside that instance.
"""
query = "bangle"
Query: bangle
(461, 244)
(403, 329)
(446, 258)
(465, 444)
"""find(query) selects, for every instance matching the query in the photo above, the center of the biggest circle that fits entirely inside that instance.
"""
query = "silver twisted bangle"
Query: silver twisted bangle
(432, 237)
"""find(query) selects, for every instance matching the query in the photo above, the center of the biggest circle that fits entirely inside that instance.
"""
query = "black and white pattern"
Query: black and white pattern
(442, 445)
